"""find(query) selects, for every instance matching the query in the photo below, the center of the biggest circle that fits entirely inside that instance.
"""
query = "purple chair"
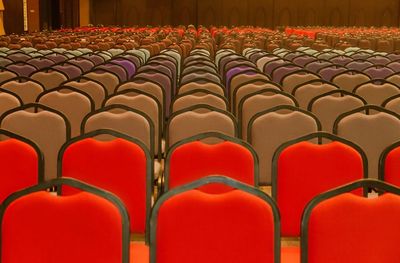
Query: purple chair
(22, 69)
(19, 57)
(379, 60)
(41, 62)
(96, 59)
(273, 64)
(56, 57)
(117, 69)
(303, 60)
(280, 72)
(129, 66)
(359, 65)
(341, 60)
(314, 66)
(85, 64)
(327, 73)
(378, 72)
(71, 70)
(395, 66)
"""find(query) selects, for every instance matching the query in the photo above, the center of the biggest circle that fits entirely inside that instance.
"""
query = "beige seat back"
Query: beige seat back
(292, 80)
(196, 97)
(108, 79)
(209, 86)
(27, 90)
(348, 80)
(305, 92)
(50, 79)
(375, 93)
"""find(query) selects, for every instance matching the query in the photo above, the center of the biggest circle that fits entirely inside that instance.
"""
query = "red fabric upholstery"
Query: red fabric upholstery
(350, 228)
(118, 166)
(139, 253)
(392, 167)
(198, 227)
(192, 161)
(19, 167)
(306, 170)
(290, 255)
(43, 228)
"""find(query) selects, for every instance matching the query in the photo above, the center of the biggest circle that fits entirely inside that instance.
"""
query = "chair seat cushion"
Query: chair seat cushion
(290, 254)
(139, 253)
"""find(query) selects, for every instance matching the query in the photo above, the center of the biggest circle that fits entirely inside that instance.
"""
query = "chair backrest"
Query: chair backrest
(328, 106)
(270, 128)
(294, 79)
(363, 126)
(46, 127)
(50, 78)
(73, 103)
(86, 227)
(9, 100)
(199, 119)
(376, 92)
(258, 101)
(239, 79)
(378, 71)
(188, 99)
(209, 86)
(95, 89)
(389, 165)
(392, 103)
(240, 226)
(22, 69)
(229, 156)
(350, 79)
(336, 225)
(6, 74)
(21, 163)
(305, 92)
(123, 119)
(309, 169)
(122, 165)
(27, 89)
(108, 79)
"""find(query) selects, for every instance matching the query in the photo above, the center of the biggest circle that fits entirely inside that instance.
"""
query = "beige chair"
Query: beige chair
(71, 102)
(6, 75)
(305, 92)
(215, 88)
(271, 128)
(107, 78)
(195, 97)
(49, 78)
(199, 119)
(93, 88)
(46, 127)
(259, 101)
(144, 102)
(8, 101)
(328, 106)
(294, 79)
(249, 87)
(239, 79)
(376, 92)
(395, 79)
(373, 128)
(122, 119)
(264, 60)
(350, 79)
(27, 89)
(392, 104)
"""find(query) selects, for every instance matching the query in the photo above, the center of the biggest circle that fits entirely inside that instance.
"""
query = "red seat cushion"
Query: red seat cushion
(139, 253)
(290, 254)
(392, 167)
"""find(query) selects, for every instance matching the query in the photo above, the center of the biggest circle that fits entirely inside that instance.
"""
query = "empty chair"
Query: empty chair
(222, 223)
(46, 127)
(27, 89)
(22, 69)
(305, 92)
(280, 72)
(91, 226)
(9, 100)
(93, 88)
(199, 119)
(303, 168)
(6, 74)
(72, 102)
(328, 72)
(268, 129)
(41, 62)
(83, 63)
(21, 164)
(350, 79)
(49, 78)
(121, 165)
(290, 81)
(240, 79)
(378, 72)
(314, 66)
(208, 86)
(328, 106)
(193, 158)
(188, 99)
(363, 126)
(376, 92)
(258, 101)
(336, 225)
(123, 119)
(71, 70)
(117, 69)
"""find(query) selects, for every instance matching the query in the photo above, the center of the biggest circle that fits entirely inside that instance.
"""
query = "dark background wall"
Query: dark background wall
(269, 13)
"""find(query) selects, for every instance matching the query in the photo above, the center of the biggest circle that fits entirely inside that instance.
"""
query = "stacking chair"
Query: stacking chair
(337, 226)
(71, 70)
(83, 63)
(303, 168)
(376, 91)
(193, 158)
(117, 69)
(359, 65)
(258, 101)
(9, 100)
(293, 79)
(280, 72)
(364, 126)
(21, 162)
(73, 103)
(190, 98)
(123, 119)
(22, 69)
(27, 89)
(239, 226)
(392, 103)
(328, 106)
(109, 79)
(50, 78)
(239, 79)
(268, 129)
(208, 86)
(122, 165)
(199, 119)
(328, 72)
(306, 91)
(350, 79)
(92, 226)
(316, 65)
(378, 71)
(49, 129)
(96, 90)
(6, 74)
(41, 62)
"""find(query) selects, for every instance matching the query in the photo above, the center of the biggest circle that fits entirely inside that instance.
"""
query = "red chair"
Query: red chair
(192, 159)
(339, 226)
(122, 165)
(389, 164)
(39, 227)
(21, 163)
(241, 226)
(302, 169)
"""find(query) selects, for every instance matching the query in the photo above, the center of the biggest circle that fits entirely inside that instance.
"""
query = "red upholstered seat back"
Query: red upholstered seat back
(43, 228)
(118, 166)
(19, 167)
(305, 170)
(195, 160)
(392, 167)
(198, 227)
(349, 228)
